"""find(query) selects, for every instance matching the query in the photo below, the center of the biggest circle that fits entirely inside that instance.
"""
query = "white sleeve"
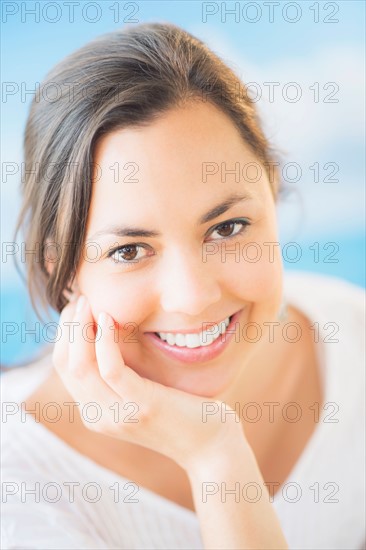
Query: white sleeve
(44, 526)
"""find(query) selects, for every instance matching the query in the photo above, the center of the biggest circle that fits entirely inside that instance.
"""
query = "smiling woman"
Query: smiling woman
(124, 79)
(159, 250)
(180, 224)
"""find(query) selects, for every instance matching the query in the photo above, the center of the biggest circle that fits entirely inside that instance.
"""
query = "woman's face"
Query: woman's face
(188, 268)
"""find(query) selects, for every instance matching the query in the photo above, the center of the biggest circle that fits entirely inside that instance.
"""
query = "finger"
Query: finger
(82, 358)
(82, 376)
(155, 402)
(121, 378)
(61, 352)
(61, 347)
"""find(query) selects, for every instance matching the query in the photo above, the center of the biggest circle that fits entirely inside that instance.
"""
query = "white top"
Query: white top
(321, 505)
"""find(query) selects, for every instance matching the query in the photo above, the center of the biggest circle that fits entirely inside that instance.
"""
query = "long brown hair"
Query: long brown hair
(123, 78)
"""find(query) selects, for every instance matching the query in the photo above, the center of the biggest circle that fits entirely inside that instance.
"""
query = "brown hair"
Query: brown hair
(123, 78)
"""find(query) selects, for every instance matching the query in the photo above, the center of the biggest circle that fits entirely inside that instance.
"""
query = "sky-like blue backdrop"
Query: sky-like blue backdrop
(314, 49)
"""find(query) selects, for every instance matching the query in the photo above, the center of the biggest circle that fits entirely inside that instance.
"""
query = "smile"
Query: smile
(197, 339)
(195, 347)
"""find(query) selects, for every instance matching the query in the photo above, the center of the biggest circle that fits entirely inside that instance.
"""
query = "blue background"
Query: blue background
(306, 51)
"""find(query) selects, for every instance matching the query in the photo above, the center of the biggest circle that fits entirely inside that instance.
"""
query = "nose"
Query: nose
(188, 285)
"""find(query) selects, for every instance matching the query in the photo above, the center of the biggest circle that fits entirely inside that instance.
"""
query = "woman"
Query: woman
(194, 397)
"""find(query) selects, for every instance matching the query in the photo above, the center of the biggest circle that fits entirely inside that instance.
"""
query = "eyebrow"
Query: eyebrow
(132, 231)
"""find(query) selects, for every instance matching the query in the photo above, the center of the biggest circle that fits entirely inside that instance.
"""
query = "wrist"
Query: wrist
(218, 454)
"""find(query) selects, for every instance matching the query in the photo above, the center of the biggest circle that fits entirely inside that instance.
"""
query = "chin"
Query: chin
(206, 383)
(211, 391)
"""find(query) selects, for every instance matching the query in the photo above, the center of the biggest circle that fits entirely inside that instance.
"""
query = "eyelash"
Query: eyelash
(236, 221)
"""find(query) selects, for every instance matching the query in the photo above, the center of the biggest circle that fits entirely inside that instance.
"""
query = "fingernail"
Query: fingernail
(80, 303)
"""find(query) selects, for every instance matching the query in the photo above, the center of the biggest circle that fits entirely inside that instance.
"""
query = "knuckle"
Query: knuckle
(92, 426)
(145, 414)
(97, 427)
(101, 427)
(111, 375)
(110, 430)
(78, 371)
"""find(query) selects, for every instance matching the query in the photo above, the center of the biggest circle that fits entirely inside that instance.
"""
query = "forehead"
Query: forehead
(185, 157)
(199, 129)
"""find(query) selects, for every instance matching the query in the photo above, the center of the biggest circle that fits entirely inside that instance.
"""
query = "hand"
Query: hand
(134, 408)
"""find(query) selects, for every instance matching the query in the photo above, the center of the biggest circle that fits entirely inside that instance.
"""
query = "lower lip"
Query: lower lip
(200, 354)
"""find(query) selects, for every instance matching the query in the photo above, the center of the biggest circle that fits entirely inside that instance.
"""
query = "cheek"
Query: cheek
(257, 277)
(123, 297)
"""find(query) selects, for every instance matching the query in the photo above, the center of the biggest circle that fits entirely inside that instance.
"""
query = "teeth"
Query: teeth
(180, 340)
(192, 340)
(169, 338)
(204, 338)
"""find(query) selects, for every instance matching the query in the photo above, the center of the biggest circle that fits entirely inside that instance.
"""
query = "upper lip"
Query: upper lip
(205, 325)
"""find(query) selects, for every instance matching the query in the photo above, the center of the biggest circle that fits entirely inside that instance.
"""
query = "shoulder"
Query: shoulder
(335, 309)
(18, 382)
(318, 282)
(22, 436)
(325, 295)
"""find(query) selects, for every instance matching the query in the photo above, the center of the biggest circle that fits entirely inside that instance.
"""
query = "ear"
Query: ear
(70, 296)
(51, 254)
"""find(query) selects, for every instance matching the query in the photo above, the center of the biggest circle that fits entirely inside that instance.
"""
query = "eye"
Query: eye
(126, 254)
(229, 226)
(132, 253)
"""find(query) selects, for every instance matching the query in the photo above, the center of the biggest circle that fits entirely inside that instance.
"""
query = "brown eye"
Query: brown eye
(126, 254)
(129, 252)
(226, 229)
